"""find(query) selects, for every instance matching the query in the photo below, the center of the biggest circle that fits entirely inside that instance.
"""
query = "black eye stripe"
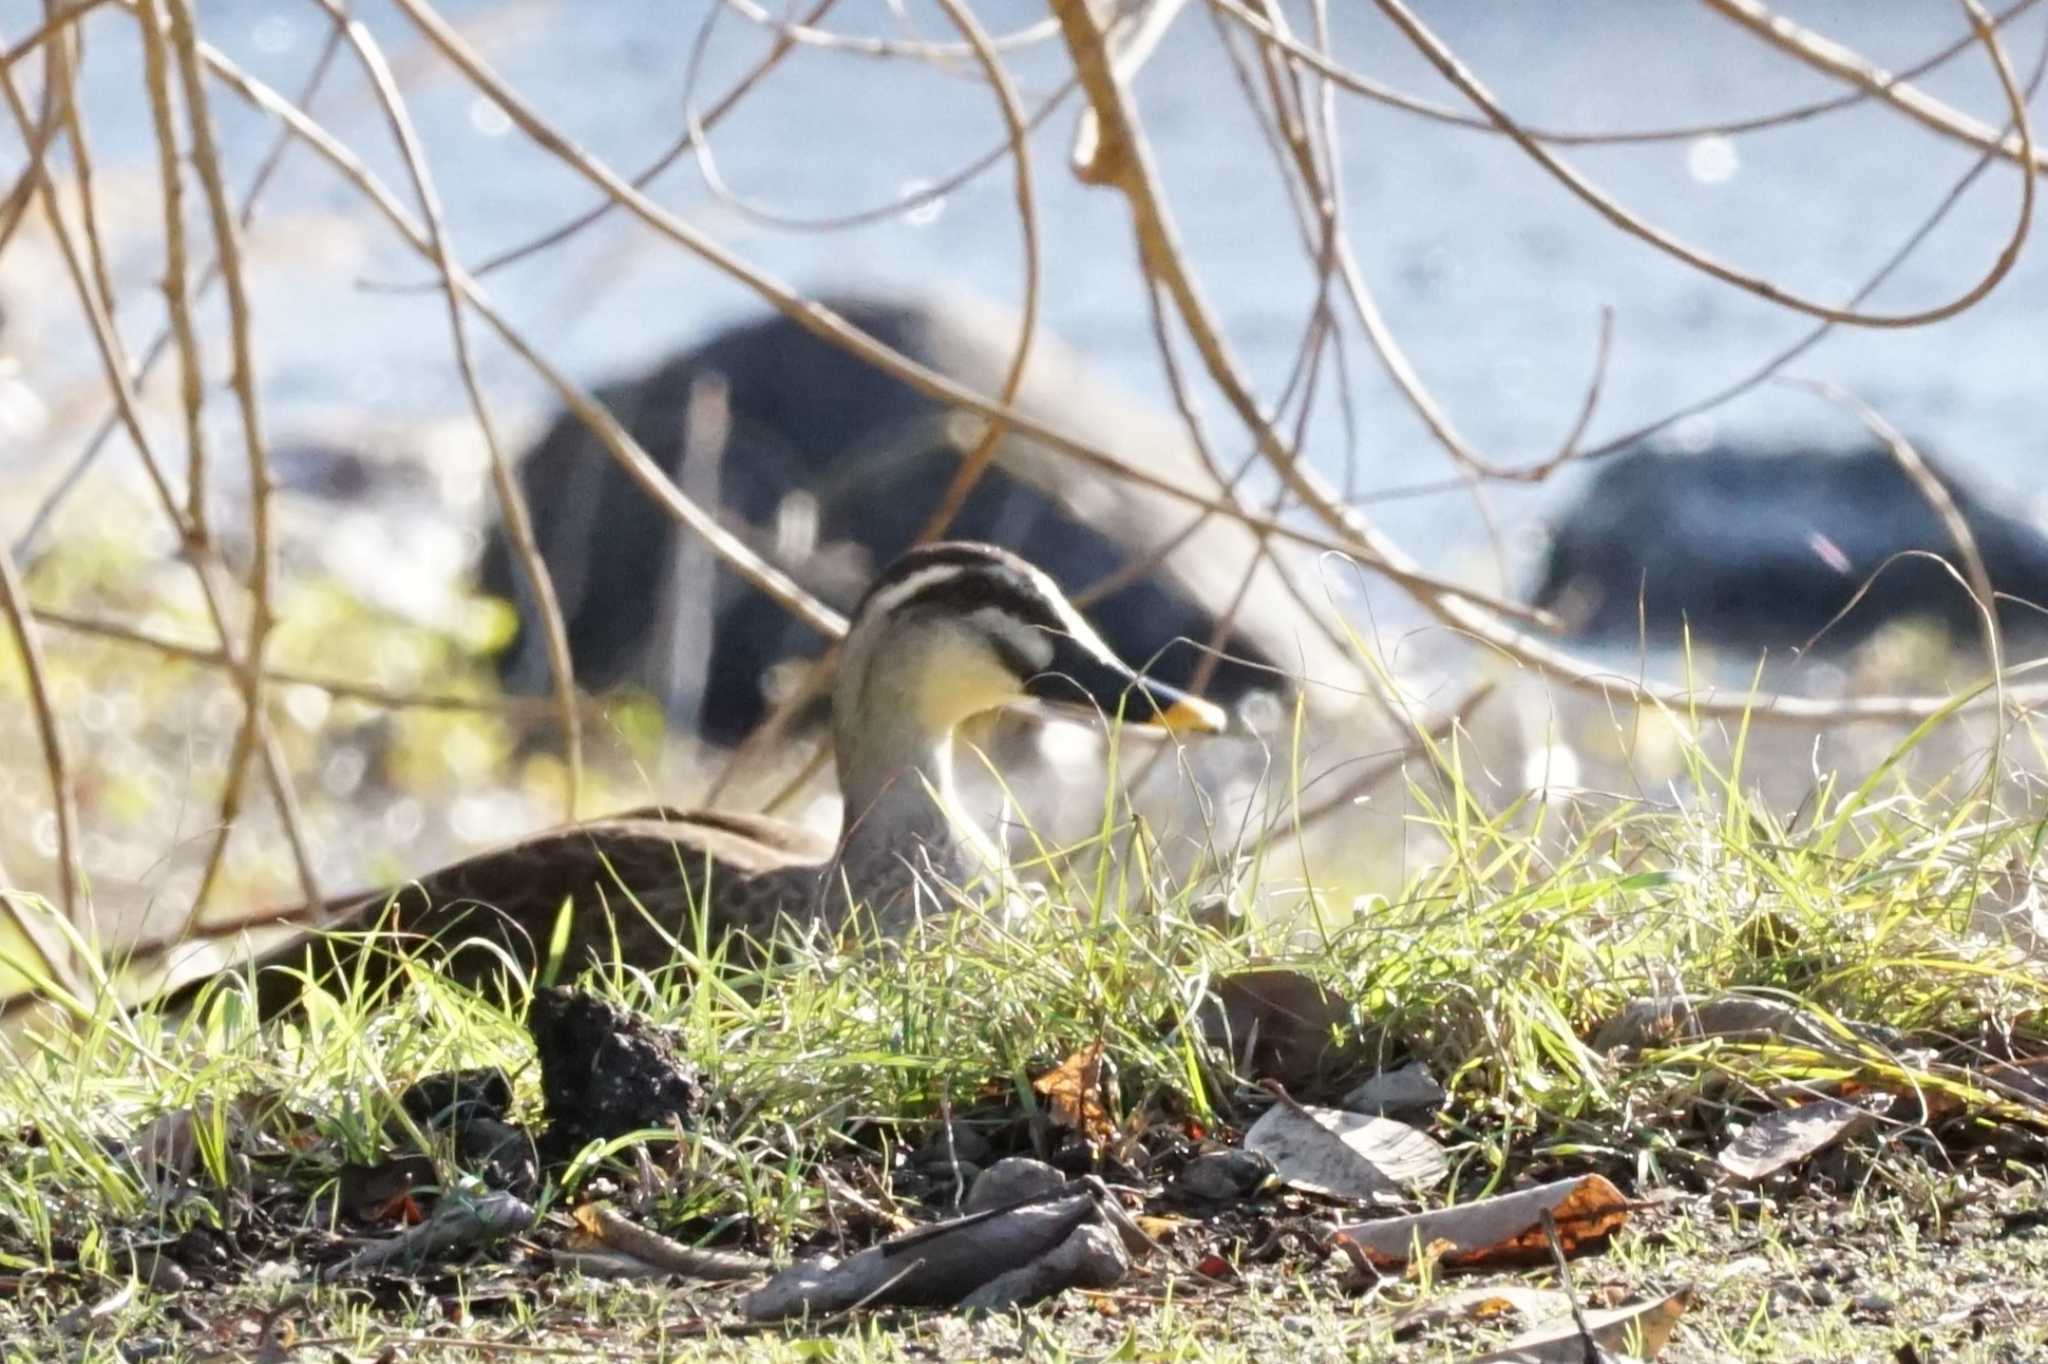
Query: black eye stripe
(977, 562)
(969, 592)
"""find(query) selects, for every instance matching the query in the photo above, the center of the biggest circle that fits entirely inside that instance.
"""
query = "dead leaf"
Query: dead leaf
(1643, 1328)
(91, 1316)
(1506, 1229)
(1073, 1091)
(1488, 1303)
(629, 1250)
(1274, 1022)
(1411, 1089)
(1790, 1135)
(1345, 1155)
(2024, 1081)
(1671, 1020)
(993, 1259)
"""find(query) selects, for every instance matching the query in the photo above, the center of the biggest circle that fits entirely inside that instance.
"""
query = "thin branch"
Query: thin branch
(46, 510)
(242, 347)
(1328, 67)
(28, 646)
(511, 498)
(1844, 64)
(1440, 56)
(367, 692)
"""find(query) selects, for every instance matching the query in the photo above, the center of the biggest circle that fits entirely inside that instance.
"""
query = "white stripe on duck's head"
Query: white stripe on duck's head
(953, 629)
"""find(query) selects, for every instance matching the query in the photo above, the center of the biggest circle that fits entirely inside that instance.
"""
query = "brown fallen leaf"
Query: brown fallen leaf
(1506, 1229)
(628, 1250)
(1274, 1022)
(1643, 1329)
(1073, 1092)
(1494, 1303)
(1790, 1135)
(1345, 1155)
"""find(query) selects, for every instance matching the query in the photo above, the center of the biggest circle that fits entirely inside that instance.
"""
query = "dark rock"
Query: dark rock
(1223, 1176)
(960, 1143)
(1012, 1180)
(604, 1072)
(1764, 549)
(454, 1095)
(830, 468)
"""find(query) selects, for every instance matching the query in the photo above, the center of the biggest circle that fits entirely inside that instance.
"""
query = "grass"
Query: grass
(1494, 964)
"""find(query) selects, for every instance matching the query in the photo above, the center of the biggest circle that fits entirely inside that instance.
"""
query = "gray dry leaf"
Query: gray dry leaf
(1790, 1135)
(1505, 1229)
(1011, 1255)
(1643, 1328)
(1492, 1303)
(1409, 1090)
(1345, 1155)
(459, 1222)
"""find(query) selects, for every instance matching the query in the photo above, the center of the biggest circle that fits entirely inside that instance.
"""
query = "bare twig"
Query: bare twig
(1440, 56)
(28, 645)
(517, 519)
(205, 156)
(1327, 67)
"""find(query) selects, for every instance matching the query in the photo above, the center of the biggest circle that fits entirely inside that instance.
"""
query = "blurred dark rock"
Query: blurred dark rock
(829, 468)
(1765, 549)
(605, 1073)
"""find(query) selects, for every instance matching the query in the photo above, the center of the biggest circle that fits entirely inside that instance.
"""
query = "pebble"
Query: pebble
(1012, 1180)
(968, 1147)
(1223, 1176)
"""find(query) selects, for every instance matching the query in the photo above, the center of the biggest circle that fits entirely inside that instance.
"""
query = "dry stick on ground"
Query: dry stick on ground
(511, 498)
(113, 361)
(47, 509)
(205, 157)
(1138, 183)
(1440, 56)
(1327, 66)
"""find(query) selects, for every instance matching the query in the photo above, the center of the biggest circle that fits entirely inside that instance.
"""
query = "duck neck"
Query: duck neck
(907, 836)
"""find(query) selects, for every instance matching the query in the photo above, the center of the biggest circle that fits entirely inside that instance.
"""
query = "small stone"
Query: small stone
(1877, 1304)
(1393, 1093)
(1223, 1176)
(1012, 1180)
(968, 1147)
(1794, 1293)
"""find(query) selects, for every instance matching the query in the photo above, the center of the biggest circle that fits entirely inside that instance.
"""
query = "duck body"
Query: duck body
(948, 632)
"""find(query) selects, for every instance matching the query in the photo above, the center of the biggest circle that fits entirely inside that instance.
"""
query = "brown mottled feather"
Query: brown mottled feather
(631, 882)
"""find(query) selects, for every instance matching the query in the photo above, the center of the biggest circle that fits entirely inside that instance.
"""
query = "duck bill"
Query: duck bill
(1081, 679)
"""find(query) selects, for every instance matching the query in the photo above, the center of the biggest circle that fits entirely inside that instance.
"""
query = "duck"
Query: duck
(948, 632)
